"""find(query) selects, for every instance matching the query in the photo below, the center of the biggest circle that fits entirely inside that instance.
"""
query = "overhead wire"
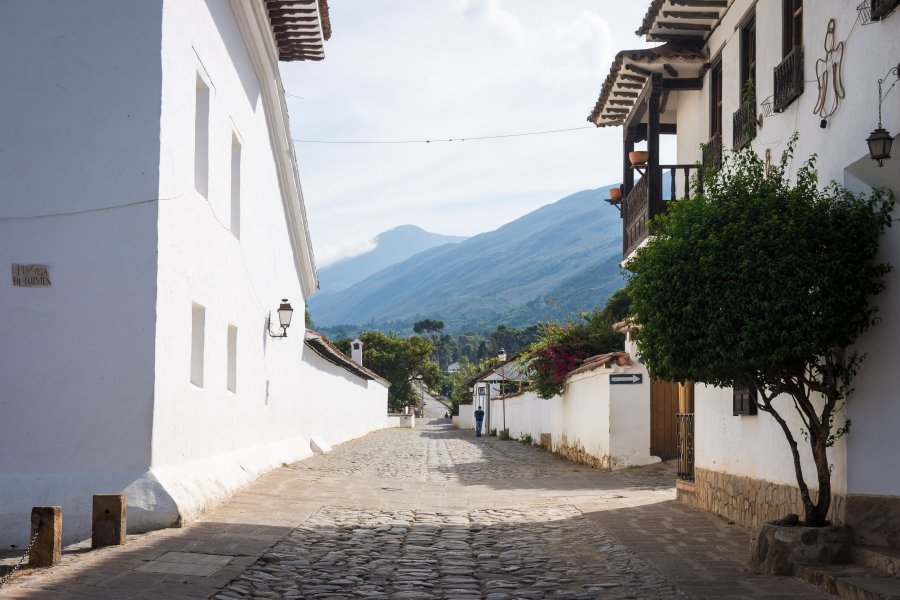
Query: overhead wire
(447, 140)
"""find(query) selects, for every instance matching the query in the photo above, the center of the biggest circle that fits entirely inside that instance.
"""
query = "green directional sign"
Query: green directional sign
(626, 378)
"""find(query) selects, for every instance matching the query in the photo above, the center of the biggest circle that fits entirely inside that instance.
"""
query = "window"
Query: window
(712, 153)
(789, 74)
(232, 358)
(792, 29)
(744, 120)
(744, 402)
(748, 52)
(715, 100)
(235, 187)
(198, 335)
(201, 138)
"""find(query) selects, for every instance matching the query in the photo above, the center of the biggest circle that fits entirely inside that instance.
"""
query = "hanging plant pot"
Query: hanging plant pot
(639, 157)
(615, 195)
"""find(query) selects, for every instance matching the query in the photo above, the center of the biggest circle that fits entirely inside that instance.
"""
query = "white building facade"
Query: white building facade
(816, 67)
(150, 174)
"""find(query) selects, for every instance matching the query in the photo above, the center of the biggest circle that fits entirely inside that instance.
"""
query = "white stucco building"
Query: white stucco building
(150, 185)
(691, 86)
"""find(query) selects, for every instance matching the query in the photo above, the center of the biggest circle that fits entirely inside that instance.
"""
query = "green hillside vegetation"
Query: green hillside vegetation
(551, 264)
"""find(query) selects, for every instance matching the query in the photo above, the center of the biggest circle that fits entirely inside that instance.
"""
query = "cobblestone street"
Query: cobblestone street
(431, 513)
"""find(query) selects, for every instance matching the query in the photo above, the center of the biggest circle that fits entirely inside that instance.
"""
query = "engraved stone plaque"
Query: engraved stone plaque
(30, 275)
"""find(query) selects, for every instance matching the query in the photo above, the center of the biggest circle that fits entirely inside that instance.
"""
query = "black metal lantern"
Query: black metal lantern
(880, 142)
(285, 312)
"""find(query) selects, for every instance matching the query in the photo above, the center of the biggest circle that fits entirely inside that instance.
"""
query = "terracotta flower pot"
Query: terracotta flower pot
(615, 195)
(639, 157)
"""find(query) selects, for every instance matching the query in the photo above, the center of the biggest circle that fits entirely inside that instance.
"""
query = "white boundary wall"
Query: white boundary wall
(592, 421)
(466, 417)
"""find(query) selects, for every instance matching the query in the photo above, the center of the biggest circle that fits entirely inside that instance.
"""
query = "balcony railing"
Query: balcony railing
(638, 207)
(881, 8)
(744, 124)
(712, 153)
(789, 79)
(635, 216)
(684, 433)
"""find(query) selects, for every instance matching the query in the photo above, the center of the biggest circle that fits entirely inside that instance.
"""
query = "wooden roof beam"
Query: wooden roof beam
(684, 26)
(701, 3)
(689, 14)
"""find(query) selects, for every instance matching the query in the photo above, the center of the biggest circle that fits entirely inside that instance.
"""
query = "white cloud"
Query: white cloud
(332, 253)
(400, 70)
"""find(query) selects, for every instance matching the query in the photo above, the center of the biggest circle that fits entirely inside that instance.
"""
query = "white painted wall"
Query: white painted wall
(610, 422)
(79, 143)
(97, 368)
(755, 446)
(466, 417)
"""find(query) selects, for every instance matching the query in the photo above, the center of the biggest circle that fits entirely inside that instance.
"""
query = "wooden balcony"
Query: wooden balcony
(744, 125)
(638, 208)
(788, 79)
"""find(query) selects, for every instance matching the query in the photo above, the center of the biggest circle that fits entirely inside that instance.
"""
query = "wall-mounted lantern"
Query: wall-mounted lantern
(285, 312)
(880, 140)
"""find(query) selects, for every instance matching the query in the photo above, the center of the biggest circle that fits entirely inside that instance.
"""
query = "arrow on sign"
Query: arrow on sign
(626, 379)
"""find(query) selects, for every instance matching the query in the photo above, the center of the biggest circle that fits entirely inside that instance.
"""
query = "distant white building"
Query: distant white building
(153, 220)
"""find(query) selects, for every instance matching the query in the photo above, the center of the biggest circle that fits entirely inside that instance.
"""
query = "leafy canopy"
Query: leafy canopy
(757, 276)
(401, 361)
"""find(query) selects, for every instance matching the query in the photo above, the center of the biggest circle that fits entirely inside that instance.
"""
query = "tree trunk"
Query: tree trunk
(816, 514)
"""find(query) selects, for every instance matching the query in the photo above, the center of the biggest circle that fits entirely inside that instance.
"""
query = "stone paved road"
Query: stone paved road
(433, 513)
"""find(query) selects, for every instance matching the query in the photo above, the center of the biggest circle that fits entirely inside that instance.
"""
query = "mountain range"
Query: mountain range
(550, 264)
(391, 247)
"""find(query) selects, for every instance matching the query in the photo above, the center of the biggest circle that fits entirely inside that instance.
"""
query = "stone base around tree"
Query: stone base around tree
(775, 549)
(751, 502)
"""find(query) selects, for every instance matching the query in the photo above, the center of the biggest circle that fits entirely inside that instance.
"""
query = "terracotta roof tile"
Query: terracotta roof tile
(611, 359)
(322, 346)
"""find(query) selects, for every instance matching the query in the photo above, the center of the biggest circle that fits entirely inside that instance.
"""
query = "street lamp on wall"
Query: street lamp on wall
(285, 312)
(880, 140)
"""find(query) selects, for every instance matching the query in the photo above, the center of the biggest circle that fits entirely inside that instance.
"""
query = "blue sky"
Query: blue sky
(439, 69)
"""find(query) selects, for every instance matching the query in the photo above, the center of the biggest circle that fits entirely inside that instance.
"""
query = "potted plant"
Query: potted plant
(639, 157)
(615, 195)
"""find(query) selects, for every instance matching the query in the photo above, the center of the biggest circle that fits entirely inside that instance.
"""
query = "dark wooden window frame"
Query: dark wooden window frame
(743, 402)
(715, 98)
(792, 25)
(744, 119)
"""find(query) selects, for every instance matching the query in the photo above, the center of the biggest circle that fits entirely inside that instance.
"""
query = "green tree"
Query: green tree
(760, 283)
(401, 361)
(428, 326)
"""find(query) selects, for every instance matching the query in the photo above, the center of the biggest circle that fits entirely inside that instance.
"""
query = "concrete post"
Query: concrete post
(109, 516)
(46, 550)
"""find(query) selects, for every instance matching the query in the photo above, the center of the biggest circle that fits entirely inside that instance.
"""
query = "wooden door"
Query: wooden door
(663, 408)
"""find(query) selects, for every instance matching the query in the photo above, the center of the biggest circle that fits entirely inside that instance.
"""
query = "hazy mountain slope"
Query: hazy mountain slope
(391, 247)
(553, 251)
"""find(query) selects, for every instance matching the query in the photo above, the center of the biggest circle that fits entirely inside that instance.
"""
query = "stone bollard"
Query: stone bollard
(46, 550)
(109, 516)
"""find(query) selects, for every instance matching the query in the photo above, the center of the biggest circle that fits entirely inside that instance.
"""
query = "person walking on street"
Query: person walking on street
(479, 419)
